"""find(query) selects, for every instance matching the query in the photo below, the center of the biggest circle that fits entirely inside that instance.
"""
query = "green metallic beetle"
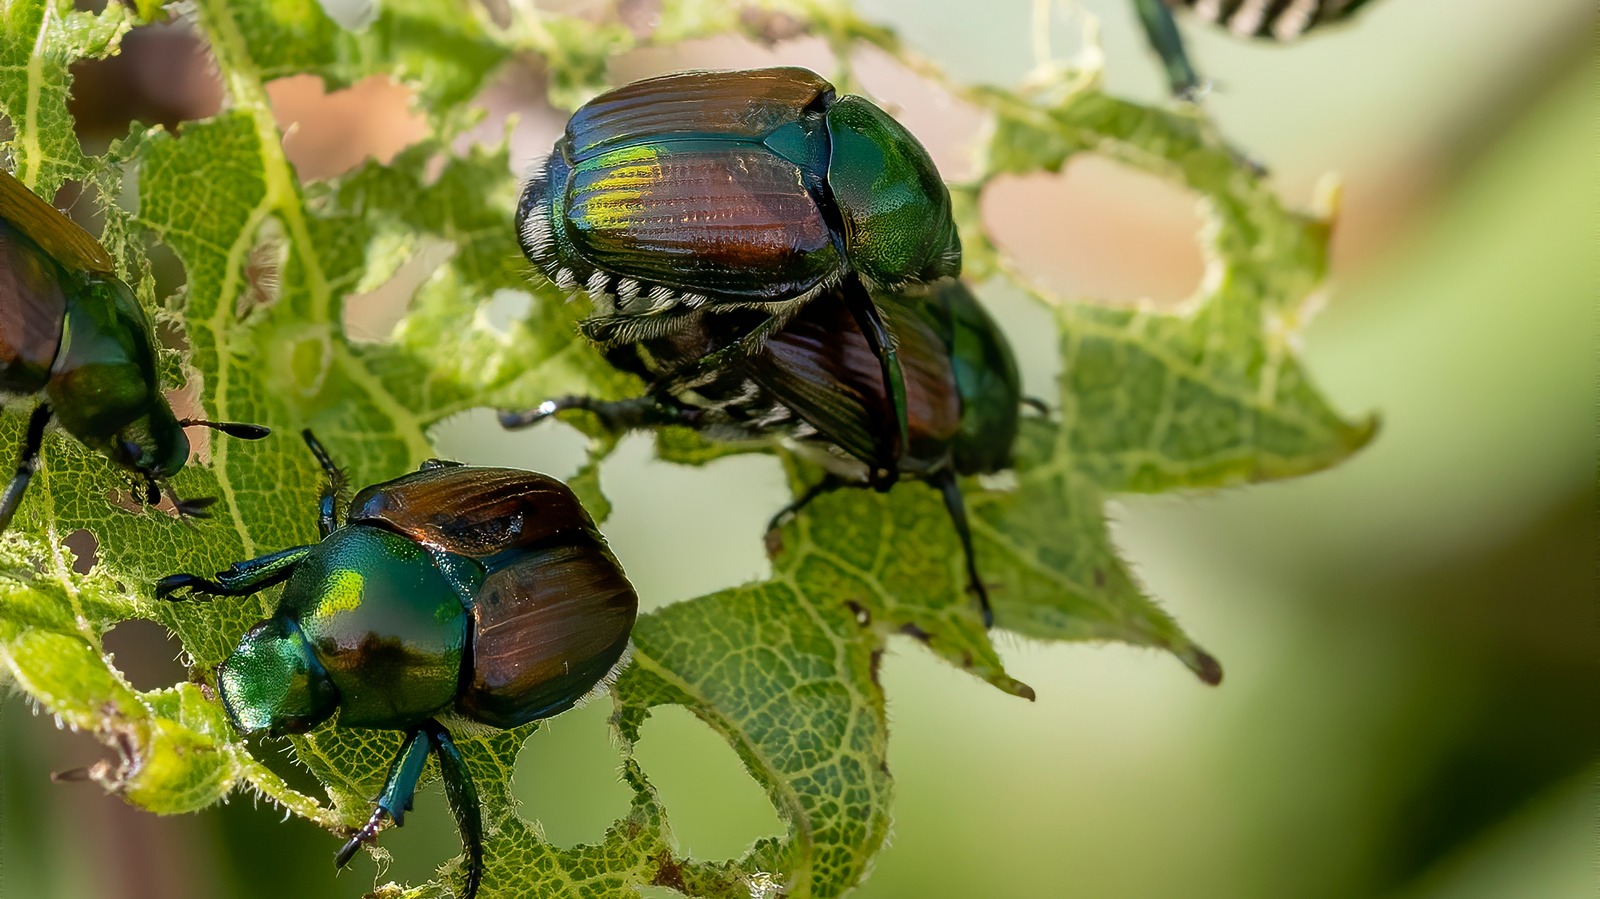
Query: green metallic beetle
(704, 193)
(1279, 20)
(816, 383)
(483, 593)
(71, 330)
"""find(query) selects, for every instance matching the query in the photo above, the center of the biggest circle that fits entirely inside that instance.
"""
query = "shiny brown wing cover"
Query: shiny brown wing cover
(72, 247)
(554, 613)
(749, 103)
(476, 512)
(821, 367)
(706, 217)
(545, 631)
(33, 309)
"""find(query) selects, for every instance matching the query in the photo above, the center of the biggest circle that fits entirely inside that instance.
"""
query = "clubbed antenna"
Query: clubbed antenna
(232, 428)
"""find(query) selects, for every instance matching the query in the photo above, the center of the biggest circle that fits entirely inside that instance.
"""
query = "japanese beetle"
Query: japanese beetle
(708, 192)
(71, 330)
(816, 382)
(1279, 20)
(486, 593)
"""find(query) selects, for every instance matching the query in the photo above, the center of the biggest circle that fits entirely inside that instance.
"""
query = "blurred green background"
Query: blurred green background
(1410, 640)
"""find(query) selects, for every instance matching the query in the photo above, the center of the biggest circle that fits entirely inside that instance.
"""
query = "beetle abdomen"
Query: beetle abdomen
(1282, 20)
(33, 309)
(545, 630)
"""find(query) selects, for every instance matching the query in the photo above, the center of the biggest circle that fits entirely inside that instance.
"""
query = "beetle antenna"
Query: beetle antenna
(232, 428)
(332, 490)
(197, 507)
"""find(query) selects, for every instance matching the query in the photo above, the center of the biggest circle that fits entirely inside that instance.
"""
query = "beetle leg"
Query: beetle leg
(327, 507)
(748, 345)
(827, 485)
(463, 797)
(25, 466)
(945, 483)
(399, 789)
(197, 507)
(882, 342)
(615, 415)
(243, 579)
(1162, 32)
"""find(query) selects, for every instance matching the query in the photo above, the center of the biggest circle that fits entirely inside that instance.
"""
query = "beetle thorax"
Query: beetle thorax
(386, 621)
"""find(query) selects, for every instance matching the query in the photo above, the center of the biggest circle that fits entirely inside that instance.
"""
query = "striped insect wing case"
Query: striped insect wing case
(726, 190)
(818, 381)
(700, 182)
(1282, 20)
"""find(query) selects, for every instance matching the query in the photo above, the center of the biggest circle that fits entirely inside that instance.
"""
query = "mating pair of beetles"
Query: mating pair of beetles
(774, 259)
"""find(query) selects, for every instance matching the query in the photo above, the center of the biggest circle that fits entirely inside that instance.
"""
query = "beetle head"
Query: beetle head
(152, 444)
(273, 681)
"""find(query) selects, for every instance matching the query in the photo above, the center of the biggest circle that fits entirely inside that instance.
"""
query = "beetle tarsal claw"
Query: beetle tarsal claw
(367, 833)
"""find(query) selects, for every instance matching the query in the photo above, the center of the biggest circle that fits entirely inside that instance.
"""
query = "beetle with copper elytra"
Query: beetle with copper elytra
(483, 593)
(71, 330)
(702, 194)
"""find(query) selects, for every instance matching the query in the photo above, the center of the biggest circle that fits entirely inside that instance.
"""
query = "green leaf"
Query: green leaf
(785, 669)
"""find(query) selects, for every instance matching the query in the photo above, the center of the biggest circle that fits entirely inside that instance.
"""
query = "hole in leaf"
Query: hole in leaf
(475, 437)
(327, 134)
(372, 314)
(145, 652)
(717, 810)
(1100, 230)
(720, 52)
(351, 15)
(131, 499)
(567, 778)
(427, 840)
(520, 95)
(505, 308)
(170, 277)
(944, 125)
(162, 75)
(648, 891)
(277, 754)
(1030, 328)
(85, 550)
(715, 514)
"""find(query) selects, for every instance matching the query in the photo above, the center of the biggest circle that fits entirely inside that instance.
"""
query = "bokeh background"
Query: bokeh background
(1410, 640)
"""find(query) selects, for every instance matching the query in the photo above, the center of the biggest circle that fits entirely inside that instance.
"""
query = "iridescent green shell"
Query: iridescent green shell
(71, 329)
(725, 190)
(484, 591)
